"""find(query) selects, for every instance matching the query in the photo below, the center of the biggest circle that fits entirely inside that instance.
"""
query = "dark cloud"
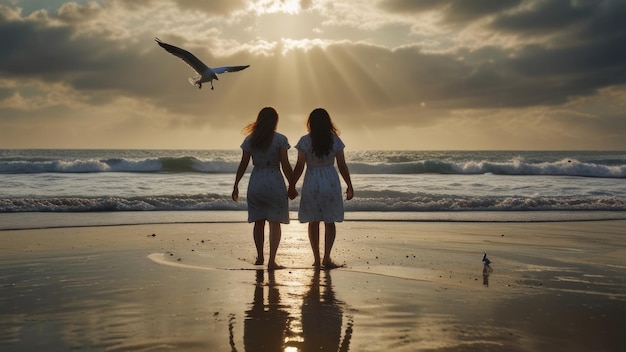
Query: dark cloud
(606, 21)
(411, 6)
(215, 7)
(211, 7)
(32, 48)
(579, 20)
(72, 12)
(5, 93)
(358, 81)
(579, 48)
(546, 17)
(598, 58)
(463, 10)
(581, 35)
(454, 10)
(55, 53)
(346, 77)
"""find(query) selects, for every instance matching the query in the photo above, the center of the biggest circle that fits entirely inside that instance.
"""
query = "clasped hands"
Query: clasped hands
(292, 193)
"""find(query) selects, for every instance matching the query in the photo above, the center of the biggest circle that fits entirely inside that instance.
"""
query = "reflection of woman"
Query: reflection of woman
(265, 325)
(321, 318)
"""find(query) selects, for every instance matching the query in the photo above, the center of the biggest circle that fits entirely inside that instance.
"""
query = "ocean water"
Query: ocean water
(39, 187)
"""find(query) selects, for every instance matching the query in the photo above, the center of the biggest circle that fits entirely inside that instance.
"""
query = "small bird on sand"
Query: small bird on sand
(207, 74)
(485, 259)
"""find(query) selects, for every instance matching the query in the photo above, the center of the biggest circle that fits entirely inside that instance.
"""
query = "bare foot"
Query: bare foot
(316, 264)
(259, 261)
(331, 265)
(274, 266)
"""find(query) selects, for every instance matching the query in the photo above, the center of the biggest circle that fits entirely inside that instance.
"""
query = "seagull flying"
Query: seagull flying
(207, 74)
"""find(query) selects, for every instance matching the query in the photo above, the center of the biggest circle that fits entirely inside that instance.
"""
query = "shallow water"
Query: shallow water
(407, 286)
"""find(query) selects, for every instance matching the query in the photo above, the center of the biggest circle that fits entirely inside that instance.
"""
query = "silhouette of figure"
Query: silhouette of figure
(265, 324)
(321, 191)
(322, 317)
(267, 193)
(487, 270)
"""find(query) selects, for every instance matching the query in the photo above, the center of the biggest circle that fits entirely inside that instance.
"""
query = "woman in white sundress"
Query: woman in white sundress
(267, 193)
(321, 198)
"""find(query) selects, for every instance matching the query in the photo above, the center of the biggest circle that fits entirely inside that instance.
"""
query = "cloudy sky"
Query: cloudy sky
(394, 74)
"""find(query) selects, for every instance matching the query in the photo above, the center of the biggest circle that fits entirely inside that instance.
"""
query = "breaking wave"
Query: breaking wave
(365, 202)
(190, 164)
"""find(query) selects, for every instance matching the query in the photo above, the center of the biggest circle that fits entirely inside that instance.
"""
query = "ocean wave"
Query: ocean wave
(414, 203)
(604, 168)
(150, 165)
(96, 204)
(565, 167)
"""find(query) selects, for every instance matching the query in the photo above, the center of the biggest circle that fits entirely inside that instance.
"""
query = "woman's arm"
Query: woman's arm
(243, 165)
(286, 165)
(297, 172)
(345, 173)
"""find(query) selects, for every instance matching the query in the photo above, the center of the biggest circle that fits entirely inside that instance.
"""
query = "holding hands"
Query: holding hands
(292, 193)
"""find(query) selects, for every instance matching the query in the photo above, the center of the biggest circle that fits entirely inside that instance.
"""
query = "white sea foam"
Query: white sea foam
(497, 163)
(385, 181)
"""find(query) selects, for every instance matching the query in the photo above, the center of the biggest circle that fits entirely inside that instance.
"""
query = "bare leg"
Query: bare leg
(330, 232)
(259, 238)
(314, 239)
(275, 234)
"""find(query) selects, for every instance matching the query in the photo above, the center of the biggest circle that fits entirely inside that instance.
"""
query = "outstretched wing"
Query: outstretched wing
(229, 69)
(188, 57)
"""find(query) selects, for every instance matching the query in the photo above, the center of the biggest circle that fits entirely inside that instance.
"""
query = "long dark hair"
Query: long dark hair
(321, 130)
(261, 131)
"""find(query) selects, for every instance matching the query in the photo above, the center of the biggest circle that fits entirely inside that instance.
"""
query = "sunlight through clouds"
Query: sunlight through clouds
(303, 44)
(262, 7)
(35, 96)
(443, 72)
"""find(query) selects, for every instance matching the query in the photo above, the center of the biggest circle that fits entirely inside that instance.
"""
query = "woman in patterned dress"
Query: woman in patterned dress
(321, 199)
(267, 194)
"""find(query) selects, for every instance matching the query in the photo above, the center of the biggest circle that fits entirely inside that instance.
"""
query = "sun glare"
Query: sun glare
(291, 7)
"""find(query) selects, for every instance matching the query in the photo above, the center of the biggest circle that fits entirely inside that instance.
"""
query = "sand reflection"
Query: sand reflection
(322, 316)
(265, 325)
(306, 317)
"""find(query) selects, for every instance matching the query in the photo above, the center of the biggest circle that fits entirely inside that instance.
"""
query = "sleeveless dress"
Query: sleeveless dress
(321, 198)
(267, 192)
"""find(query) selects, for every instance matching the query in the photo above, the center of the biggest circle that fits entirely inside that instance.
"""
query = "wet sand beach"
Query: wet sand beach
(405, 286)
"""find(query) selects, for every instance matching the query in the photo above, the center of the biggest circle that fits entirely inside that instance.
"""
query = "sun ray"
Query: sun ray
(308, 68)
(361, 79)
(333, 81)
